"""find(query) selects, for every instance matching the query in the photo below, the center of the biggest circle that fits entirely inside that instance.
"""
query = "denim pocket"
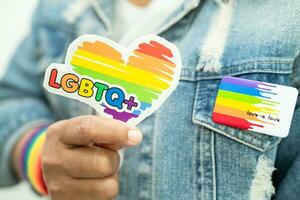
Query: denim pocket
(206, 92)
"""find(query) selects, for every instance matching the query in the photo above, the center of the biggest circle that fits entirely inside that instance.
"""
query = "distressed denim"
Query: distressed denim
(184, 154)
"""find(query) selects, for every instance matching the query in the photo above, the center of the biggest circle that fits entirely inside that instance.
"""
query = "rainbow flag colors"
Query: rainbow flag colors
(256, 106)
(127, 84)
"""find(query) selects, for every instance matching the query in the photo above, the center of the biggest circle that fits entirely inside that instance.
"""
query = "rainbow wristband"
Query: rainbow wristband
(30, 159)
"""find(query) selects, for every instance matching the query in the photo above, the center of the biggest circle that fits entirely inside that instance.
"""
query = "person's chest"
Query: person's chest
(254, 40)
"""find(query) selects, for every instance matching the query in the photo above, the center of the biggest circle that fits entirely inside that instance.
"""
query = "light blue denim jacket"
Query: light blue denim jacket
(184, 154)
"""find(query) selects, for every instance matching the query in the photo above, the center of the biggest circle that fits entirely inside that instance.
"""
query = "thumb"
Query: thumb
(90, 130)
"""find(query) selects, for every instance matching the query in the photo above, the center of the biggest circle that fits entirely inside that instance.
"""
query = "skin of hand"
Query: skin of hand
(80, 158)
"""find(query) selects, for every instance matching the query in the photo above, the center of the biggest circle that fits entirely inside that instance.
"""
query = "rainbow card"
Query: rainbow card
(123, 83)
(256, 106)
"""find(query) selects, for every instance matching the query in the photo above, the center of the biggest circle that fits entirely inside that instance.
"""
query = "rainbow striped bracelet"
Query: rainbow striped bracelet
(30, 159)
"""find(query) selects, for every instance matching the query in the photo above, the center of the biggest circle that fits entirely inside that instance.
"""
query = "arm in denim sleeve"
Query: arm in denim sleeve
(288, 153)
(22, 101)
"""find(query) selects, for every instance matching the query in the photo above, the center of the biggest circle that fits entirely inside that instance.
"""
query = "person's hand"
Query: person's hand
(80, 160)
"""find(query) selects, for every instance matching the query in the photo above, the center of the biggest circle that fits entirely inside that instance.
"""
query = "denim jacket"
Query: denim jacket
(184, 154)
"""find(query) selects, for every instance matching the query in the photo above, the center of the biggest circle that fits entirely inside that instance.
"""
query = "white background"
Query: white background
(15, 24)
(15, 16)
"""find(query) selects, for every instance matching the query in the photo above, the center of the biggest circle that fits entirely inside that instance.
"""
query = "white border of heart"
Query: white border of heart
(126, 52)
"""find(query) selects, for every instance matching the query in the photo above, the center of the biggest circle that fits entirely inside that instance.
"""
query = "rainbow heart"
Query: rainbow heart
(127, 84)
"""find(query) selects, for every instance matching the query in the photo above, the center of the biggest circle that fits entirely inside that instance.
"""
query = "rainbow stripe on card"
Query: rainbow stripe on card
(256, 106)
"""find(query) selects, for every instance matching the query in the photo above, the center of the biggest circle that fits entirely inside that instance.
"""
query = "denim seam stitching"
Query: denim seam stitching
(278, 61)
(194, 164)
(213, 166)
(206, 180)
(153, 159)
(227, 135)
(196, 99)
(196, 141)
(201, 164)
(219, 76)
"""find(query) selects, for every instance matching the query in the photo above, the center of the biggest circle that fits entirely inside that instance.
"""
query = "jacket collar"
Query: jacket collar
(178, 14)
(105, 8)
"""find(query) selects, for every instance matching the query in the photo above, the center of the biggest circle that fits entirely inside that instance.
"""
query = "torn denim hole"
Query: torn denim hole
(262, 187)
(209, 63)
(213, 48)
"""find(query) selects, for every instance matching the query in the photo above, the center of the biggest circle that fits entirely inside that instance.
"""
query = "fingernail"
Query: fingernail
(135, 136)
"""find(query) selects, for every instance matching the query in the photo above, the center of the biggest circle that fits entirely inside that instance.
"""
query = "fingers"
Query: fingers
(87, 130)
(87, 189)
(79, 158)
(111, 146)
(91, 162)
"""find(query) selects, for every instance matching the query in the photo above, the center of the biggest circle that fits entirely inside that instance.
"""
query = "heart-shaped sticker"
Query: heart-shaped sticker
(127, 84)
